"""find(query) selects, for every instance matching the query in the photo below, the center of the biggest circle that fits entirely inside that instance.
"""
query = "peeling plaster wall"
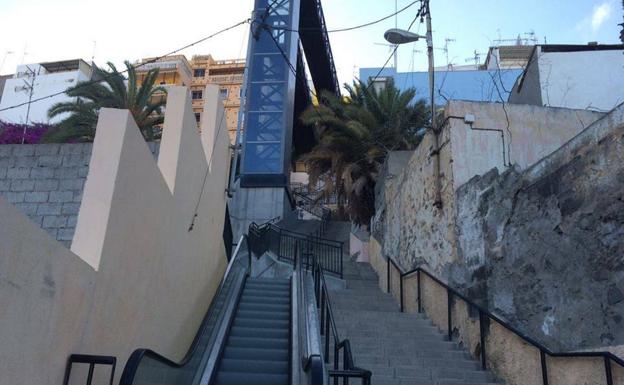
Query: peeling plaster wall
(407, 225)
(544, 248)
(532, 243)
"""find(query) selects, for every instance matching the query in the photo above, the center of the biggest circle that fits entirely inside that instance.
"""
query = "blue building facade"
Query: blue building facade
(474, 85)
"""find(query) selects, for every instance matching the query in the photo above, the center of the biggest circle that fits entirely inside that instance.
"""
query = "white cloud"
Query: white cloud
(600, 15)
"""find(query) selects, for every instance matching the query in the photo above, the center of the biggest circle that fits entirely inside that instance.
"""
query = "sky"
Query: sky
(115, 30)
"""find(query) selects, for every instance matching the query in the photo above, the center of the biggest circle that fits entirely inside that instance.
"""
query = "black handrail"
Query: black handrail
(483, 313)
(312, 361)
(130, 370)
(92, 360)
(312, 206)
(282, 242)
(328, 326)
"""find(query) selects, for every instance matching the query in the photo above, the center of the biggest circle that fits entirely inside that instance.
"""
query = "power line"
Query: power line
(319, 30)
(372, 81)
(376, 21)
(116, 73)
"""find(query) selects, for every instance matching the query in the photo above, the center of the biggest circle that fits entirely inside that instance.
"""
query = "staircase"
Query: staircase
(257, 348)
(398, 348)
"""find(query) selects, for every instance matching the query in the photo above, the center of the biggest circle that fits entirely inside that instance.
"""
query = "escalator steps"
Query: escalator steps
(257, 348)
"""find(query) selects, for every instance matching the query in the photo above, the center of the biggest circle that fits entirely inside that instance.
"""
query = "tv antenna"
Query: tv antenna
(476, 58)
(391, 47)
(445, 49)
(6, 54)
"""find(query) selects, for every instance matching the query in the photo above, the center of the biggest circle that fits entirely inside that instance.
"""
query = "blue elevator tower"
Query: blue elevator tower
(276, 92)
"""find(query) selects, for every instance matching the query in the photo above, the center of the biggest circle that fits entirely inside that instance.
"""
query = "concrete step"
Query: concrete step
(398, 348)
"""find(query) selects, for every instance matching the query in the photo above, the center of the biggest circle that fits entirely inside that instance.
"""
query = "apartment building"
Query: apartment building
(228, 75)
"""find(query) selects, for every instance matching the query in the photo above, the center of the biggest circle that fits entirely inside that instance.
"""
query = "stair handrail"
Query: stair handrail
(329, 250)
(483, 313)
(328, 325)
(311, 360)
(130, 369)
(312, 206)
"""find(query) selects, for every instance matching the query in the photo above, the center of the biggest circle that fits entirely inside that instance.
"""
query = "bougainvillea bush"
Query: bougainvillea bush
(12, 133)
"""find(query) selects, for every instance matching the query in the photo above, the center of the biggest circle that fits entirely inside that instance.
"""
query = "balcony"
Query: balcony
(224, 79)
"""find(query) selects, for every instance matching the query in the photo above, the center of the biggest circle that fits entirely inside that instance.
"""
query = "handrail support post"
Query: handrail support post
(449, 309)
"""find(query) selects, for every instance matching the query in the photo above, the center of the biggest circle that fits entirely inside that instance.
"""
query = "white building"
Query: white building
(33, 81)
(572, 76)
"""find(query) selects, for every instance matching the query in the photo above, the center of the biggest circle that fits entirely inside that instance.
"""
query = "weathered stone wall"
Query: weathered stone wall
(45, 182)
(407, 225)
(544, 248)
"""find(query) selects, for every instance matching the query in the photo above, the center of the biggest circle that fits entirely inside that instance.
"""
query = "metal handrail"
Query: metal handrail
(328, 326)
(483, 313)
(130, 369)
(311, 358)
(92, 360)
(282, 243)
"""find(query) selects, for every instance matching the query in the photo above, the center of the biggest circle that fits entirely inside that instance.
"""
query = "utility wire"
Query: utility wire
(88, 83)
(354, 27)
(372, 81)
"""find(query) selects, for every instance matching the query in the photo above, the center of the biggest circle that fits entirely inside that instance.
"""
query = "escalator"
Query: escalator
(258, 345)
(258, 331)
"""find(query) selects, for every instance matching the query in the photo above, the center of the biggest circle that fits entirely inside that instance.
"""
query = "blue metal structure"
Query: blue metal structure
(276, 86)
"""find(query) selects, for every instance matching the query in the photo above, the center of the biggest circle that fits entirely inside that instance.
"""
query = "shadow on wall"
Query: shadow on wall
(136, 276)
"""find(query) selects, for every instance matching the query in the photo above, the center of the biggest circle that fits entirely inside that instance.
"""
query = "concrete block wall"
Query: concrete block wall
(135, 275)
(45, 182)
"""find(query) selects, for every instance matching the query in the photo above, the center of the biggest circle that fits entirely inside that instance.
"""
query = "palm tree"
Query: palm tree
(111, 92)
(354, 136)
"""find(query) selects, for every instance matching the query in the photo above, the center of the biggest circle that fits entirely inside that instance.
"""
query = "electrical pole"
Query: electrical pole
(436, 160)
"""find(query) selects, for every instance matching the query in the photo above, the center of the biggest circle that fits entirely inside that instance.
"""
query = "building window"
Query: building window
(197, 116)
(197, 95)
(224, 93)
(199, 72)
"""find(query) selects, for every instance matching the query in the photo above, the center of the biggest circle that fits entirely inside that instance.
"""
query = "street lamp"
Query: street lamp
(399, 36)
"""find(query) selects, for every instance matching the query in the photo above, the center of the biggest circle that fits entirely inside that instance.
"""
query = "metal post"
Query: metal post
(336, 361)
(450, 317)
(544, 367)
(482, 337)
(90, 375)
(608, 372)
(327, 333)
(345, 366)
(401, 289)
(388, 273)
(323, 314)
(419, 296)
(341, 253)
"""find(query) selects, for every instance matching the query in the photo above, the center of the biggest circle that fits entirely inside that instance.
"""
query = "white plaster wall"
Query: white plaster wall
(136, 276)
(299, 177)
(590, 79)
(533, 133)
(45, 84)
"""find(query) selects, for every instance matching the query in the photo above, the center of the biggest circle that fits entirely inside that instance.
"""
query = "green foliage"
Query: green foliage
(354, 136)
(111, 92)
